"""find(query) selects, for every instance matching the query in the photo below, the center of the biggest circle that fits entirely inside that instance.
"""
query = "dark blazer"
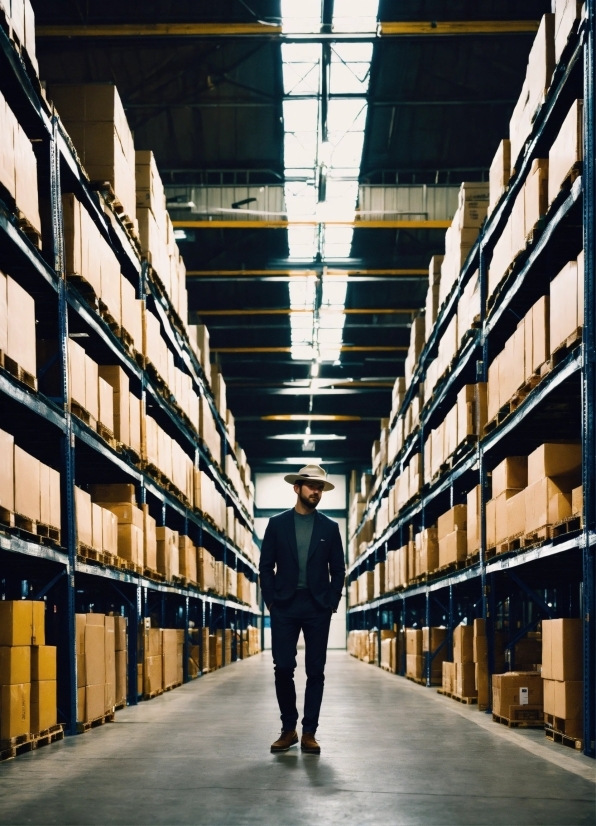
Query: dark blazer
(325, 567)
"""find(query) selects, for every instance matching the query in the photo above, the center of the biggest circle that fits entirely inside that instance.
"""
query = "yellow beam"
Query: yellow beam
(287, 311)
(415, 224)
(386, 29)
(458, 27)
(158, 30)
(333, 273)
(344, 349)
(309, 417)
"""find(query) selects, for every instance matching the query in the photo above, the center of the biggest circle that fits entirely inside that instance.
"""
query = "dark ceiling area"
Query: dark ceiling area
(211, 109)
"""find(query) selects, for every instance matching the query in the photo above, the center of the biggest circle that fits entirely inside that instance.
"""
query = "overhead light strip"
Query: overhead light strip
(322, 157)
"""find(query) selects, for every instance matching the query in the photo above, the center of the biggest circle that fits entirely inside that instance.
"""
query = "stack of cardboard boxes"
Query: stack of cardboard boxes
(562, 675)
(101, 678)
(463, 659)
(17, 327)
(414, 654)
(97, 526)
(18, 167)
(28, 487)
(434, 647)
(452, 536)
(27, 671)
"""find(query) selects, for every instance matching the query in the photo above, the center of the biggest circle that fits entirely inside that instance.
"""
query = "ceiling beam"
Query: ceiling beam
(421, 28)
(399, 224)
(308, 417)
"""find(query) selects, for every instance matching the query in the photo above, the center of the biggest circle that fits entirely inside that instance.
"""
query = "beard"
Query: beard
(307, 502)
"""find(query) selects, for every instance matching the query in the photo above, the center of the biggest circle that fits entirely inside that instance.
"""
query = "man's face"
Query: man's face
(309, 493)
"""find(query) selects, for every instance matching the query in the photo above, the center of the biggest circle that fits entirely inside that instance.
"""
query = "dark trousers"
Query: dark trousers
(302, 614)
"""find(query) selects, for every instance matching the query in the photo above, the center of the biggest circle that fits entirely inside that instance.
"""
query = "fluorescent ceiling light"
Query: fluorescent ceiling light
(300, 460)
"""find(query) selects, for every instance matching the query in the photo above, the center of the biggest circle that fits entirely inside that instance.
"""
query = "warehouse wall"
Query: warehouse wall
(273, 494)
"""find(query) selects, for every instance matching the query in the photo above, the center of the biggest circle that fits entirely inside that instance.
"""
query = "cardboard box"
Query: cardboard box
(540, 332)
(153, 642)
(15, 710)
(577, 501)
(568, 699)
(453, 547)
(187, 558)
(153, 675)
(541, 63)
(120, 630)
(546, 504)
(415, 666)
(448, 677)
(480, 649)
(149, 539)
(26, 484)
(118, 380)
(110, 663)
(167, 552)
(169, 656)
(566, 150)
(473, 520)
(115, 494)
(94, 702)
(562, 649)
(500, 172)
(511, 473)
(109, 532)
(564, 301)
(465, 682)
(20, 326)
(43, 663)
(548, 691)
(96, 527)
(7, 471)
(121, 677)
(481, 683)
(414, 641)
(15, 664)
(515, 507)
(567, 15)
(463, 644)
(95, 655)
(84, 519)
(554, 459)
(44, 708)
(130, 543)
(536, 194)
(16, 622)
(454, 519)
(38, 621)
(106, 404)
(516, 688)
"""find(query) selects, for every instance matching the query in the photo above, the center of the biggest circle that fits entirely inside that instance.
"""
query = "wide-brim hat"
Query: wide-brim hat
(310, 473)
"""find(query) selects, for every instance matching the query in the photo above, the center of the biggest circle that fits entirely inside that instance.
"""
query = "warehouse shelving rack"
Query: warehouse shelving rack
(45, 427)
(517, 589)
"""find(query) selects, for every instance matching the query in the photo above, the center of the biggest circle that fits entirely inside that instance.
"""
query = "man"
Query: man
(302, 571)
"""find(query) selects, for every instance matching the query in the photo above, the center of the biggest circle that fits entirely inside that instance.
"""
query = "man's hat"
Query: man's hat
(310, 473)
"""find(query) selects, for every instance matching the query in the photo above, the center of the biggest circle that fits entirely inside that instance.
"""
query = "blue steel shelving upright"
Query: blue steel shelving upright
(56, 573)
(558, 577)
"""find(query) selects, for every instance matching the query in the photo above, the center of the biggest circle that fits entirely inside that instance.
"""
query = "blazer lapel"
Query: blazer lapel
(291, 532)
(317, 533)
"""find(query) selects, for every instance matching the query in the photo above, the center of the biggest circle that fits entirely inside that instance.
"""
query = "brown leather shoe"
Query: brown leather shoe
(286, 740)
(309, 744)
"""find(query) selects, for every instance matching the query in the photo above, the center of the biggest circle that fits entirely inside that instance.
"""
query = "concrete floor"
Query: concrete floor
(393, 753)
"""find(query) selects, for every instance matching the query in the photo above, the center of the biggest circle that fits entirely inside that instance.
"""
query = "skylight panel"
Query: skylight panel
(303, 16)
(350, 68)
(301, 67)
(355, 15)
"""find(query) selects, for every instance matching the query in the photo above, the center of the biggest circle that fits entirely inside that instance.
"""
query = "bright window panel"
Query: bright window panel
(347, 150)
(350, 68)
(301, 200)
(301, 115)
(301, 353)
(347, 115)
(355, 15)
(302, 16)
(330, 337)
(301, 66)
(300, 150)
(334, 290)
(302, 293)
(302, 321)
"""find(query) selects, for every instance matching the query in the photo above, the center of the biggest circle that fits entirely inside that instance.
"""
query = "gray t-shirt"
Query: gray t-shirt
(303, 526)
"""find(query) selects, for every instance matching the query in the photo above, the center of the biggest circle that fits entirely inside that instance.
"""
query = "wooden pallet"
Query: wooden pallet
(79, 411)
(89, 554)
(107, 316)
(108, 717)
(120, 706)
(536, 537)
(563, 739)
(172, 687)
(513, 543)
(30, 742)
(116, 206)
(6, 518)
(24, 523)
(17, 372)
(49, 532)
(452, 567)
(155, 575)
(86, 290)
(107, 435)
(522, 717)
(153, 694)
(570, 525)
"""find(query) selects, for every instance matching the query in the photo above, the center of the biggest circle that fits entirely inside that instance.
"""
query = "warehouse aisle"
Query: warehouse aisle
(392, 754)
